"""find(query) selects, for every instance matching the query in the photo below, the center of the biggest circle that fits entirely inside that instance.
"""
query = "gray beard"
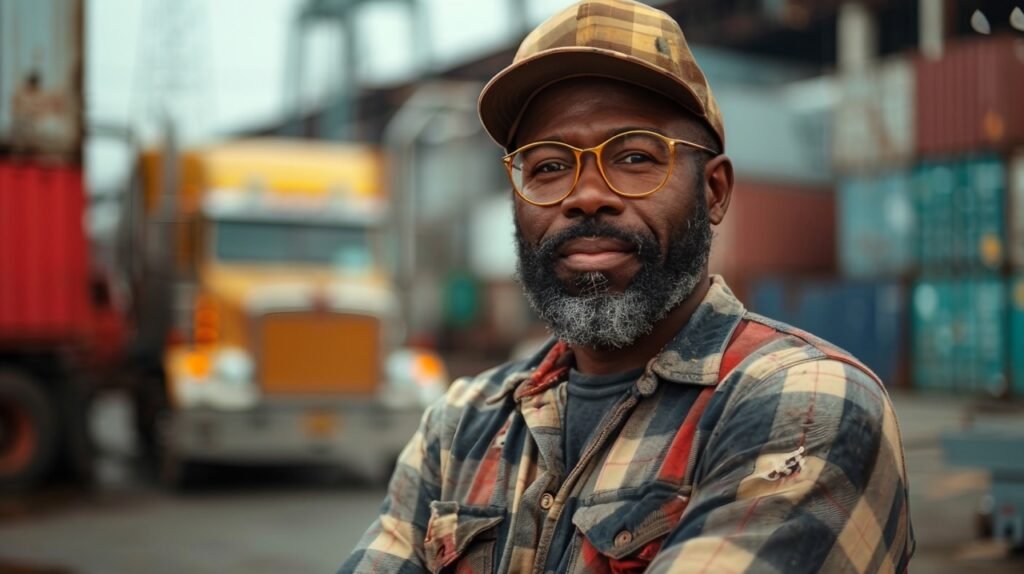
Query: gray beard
(598, 318)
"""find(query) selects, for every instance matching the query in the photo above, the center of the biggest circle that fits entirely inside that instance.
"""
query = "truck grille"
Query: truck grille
(319, 353)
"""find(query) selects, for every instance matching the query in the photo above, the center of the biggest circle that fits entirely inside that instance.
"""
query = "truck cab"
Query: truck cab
(286, 345)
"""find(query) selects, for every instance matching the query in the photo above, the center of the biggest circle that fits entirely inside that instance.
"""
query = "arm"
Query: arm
(394, 542)
(802, 473)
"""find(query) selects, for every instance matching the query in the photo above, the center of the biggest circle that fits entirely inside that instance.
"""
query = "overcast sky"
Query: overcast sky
(229, 58)
(230, 55)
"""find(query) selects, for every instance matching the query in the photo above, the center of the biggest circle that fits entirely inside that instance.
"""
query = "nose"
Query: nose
(592, 196)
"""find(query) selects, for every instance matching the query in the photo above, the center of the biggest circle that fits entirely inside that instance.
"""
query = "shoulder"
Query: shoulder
(797, 383)
(790, 351)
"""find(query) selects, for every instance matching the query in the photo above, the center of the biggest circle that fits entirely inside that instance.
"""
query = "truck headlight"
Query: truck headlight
(415, 376)
(233, 365)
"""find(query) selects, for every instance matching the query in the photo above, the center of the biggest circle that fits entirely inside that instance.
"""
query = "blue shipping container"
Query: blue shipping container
(876, 226)
(868, 319)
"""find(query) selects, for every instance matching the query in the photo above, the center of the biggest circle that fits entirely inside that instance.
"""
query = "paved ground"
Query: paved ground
(944, 499)
(299, 522)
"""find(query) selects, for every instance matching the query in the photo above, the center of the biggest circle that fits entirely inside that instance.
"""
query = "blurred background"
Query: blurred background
(243, 244)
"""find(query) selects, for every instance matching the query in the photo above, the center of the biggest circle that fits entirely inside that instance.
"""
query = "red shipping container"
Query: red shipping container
(43, 255)
(774, 229)
(970, 99)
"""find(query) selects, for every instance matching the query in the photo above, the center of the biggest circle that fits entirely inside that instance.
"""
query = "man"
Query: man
(664, 428)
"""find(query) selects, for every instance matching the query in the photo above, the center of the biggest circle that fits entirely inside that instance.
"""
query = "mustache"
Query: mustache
(548, 248)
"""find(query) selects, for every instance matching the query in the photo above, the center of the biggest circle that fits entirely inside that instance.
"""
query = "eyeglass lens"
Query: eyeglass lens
(632, 164)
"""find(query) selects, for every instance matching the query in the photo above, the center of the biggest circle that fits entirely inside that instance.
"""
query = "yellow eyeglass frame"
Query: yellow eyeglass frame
(596, 150)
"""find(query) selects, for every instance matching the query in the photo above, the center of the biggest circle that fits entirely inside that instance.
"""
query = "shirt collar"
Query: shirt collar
(694, 355)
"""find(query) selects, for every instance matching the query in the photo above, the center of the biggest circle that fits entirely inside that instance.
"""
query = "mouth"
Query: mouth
(588, 254)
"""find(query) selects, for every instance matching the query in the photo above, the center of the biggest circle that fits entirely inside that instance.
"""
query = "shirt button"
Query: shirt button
(623, 538)
(547, 501)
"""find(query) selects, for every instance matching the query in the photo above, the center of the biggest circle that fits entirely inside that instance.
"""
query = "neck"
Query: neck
(605, 361)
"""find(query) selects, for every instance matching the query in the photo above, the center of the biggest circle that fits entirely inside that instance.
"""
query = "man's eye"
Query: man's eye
(550, 166)
(634, 157)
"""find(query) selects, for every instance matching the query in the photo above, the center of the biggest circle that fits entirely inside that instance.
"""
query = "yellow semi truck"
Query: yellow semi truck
(285, 341)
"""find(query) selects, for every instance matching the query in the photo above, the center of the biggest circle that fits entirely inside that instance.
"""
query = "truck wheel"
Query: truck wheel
(28, 432)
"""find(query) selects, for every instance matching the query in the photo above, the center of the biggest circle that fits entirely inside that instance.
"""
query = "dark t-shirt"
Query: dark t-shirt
(590, 397)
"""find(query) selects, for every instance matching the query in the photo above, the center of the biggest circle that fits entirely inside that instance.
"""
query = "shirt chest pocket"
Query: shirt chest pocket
(623, 531)
(461, 538)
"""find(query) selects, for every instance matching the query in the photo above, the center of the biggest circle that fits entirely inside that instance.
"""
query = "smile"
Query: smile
(588, 254)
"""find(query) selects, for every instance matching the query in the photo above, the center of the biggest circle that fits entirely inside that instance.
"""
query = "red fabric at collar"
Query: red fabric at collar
(554, 366)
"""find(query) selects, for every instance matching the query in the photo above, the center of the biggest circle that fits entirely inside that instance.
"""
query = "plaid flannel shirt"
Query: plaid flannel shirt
(796, 466)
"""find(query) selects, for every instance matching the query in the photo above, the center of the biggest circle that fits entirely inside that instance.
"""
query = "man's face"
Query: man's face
(599, 268)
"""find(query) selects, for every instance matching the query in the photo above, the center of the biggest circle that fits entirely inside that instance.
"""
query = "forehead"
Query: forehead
(580, 107)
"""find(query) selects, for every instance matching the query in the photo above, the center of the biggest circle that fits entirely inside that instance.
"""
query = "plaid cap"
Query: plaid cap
(617, 39)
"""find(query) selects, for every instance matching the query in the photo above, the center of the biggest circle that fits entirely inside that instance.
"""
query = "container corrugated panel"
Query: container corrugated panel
(874, 121)
(961, 215)
(868, 319)
(961, 336)
(981, 337)
(979, 240)
(876, 226)
(969, 99)
(43, 254)
(1017, 335)
(41, 78)
(934, 188)
(1015, 210)
(774, 228)
(933, 312)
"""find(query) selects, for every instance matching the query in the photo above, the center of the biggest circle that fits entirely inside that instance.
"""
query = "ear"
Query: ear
(718, 180)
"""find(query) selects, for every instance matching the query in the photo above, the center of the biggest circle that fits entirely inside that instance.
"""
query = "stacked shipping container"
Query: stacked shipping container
(774, 228)
(965, 307)
(782, 214)
(864, 317)
(960, 338)
(45, 273)
(1017, 335)
(872, 143)
(969, 100)
(929, 192)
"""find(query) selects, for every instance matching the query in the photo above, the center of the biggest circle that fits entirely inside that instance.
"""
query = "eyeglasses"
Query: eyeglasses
(635, 163)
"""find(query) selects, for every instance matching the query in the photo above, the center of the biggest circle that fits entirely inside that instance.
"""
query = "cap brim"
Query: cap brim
(506, 96)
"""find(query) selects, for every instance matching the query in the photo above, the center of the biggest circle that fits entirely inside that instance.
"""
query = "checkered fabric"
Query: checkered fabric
(796, 465)
(617, 39)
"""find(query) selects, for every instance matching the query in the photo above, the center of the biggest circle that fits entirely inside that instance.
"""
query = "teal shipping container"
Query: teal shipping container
(961, 335)
(1017, 335)
(1015, 207)
(981, 198)
(933, 309)
(876, 226)
(934, 187)
(961, 209)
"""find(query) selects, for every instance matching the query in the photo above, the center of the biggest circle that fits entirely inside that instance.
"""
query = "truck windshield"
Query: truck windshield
(265, 242)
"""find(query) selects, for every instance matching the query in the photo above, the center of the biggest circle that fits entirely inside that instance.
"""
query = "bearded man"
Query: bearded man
(663, 428)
